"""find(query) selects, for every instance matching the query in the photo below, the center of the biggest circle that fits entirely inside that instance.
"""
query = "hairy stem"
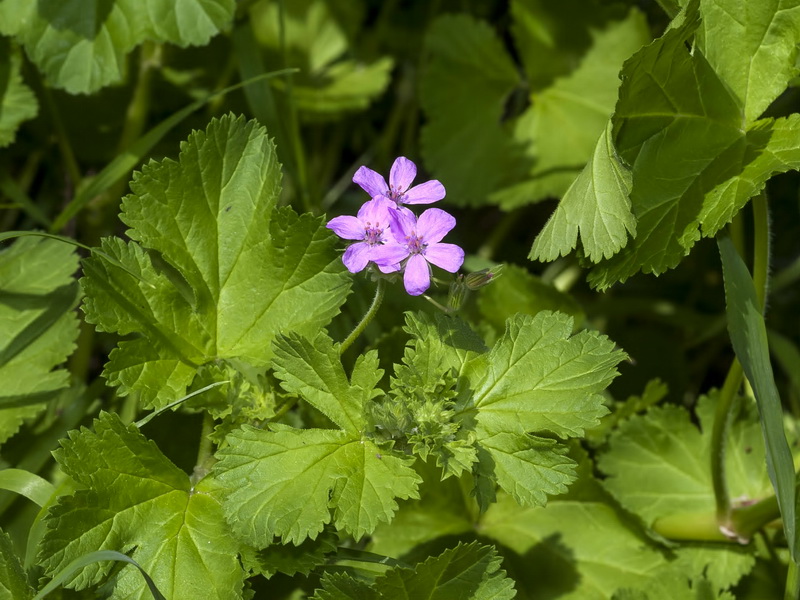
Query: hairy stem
(747, 520)
(205, 453)
(761, 247)
(368, 316)
(285, 407)
(719, 434)
(722, 415)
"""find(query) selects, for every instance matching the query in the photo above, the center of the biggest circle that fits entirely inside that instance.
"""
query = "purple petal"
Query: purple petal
(417, 277)
(388, 254)
(376, 212)
(425, 193)
(402, 174)
(447, 256)
(356, 257)
(371, 182)
(433, 225)
(389, 268)
(403, 224)
(347, 227)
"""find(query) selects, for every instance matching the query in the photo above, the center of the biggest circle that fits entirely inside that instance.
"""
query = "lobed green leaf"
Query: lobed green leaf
(136, 499)
(226, 270)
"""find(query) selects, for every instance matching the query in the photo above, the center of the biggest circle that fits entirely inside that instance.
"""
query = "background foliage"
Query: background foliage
(601, 421)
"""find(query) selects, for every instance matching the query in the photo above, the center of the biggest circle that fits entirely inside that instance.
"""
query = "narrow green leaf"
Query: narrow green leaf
(110, 259)
(788, 356)
(145, 420)
(749, 337)
(93, 557)
(30, 485)
(10, 188)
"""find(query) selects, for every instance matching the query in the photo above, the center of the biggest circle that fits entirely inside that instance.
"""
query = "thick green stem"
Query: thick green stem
(792, 582)
(690, 527)
(733, 381)
(761, 247)
(371, 312)
(285, 407)
(719, 435)
(205, 452)
(747, 520)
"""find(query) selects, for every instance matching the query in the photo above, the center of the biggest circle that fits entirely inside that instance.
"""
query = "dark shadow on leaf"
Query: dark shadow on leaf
(546, 571)
(83, 17)
(55, 305)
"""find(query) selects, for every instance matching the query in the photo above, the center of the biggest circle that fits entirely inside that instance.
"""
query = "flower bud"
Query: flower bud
(478, 279)
(457, 294)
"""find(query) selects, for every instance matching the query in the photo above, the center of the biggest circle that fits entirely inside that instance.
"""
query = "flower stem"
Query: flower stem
(761, 253)
(205, 453)
(373, 309)
(285, 407)
(719, 434)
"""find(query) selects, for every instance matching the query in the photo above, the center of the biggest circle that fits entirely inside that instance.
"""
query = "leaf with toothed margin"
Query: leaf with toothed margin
(219, 269)
(289, 482)
(135, 499)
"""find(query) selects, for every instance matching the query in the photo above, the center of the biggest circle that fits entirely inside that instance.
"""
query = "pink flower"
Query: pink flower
(370, 227)
(418, 240)
(400, 178)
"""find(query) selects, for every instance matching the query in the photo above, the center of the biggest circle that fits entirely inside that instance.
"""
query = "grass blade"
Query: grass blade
(24, 483)
(10, 188)
(94, 557)
(749, 337)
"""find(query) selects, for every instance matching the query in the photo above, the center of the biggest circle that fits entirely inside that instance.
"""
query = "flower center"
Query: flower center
(373, 233)
(415, 244)
(396, 194)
